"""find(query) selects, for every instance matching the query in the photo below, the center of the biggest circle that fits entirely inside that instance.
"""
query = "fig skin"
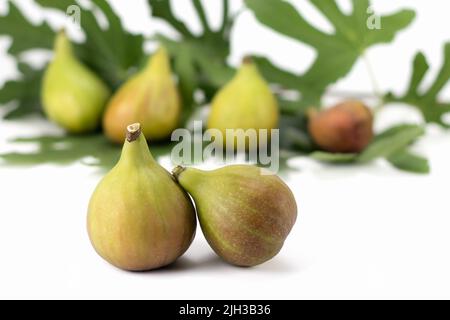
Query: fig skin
(344, 128)
(246, 102)
(245, 216)
(150, 97)
(72, 96)
(139, 218)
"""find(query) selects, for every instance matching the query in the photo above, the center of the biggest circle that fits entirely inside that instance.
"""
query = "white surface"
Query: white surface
(362, 232)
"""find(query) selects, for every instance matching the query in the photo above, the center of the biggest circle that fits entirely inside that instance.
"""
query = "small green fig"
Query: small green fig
(245, 215)
(344, 128)
(139, 218)
(151, 97)
(72, 95)
(246, 102)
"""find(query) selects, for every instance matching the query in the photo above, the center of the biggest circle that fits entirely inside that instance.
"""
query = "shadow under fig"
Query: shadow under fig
(213, 263)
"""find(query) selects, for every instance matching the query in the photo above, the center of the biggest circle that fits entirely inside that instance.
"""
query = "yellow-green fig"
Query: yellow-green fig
(246, 102)
(138, 217)
(72, 95)
(150, 97)
(344, 128)
(245, 215)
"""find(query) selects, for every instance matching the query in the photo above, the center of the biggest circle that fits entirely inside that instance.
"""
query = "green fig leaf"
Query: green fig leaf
(163, 9)
(95, 150)
(310, 93)
(408, 161)
(427, 102)
(391, 141)
(291, 107)
(390, 144)
(23, 92)
(333, 157)
(65, 150)
(293, 133)
(337, 52)
(187, 79)
(24, 34)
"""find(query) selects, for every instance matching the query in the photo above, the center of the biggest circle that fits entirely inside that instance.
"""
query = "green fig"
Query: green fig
(245, 215)
(139, 218)
(344, 128)
(246, 102)
(150, 97)
(72, 96)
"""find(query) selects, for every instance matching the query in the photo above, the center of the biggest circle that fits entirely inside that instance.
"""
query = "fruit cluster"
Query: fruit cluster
(141, 218)
(78, 100)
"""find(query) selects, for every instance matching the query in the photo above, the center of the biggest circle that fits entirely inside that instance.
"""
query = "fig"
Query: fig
(246, 102)
(344, 128)
(72, 96)
(245, 215)
(150, 97)
(139, 218)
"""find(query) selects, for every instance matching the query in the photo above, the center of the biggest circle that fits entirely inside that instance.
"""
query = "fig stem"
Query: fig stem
(177, 171)
(247, 59)
(133, 132)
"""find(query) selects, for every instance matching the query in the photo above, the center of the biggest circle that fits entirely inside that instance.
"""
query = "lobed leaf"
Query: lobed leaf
(428, 103)
(333, 157)
(162, 9)
(337, 52)
(24, 92)
(64, 150)
(24, 35)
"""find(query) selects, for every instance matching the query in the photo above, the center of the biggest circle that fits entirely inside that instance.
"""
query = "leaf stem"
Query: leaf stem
(225, 16)
(202, 16)
(375, 85)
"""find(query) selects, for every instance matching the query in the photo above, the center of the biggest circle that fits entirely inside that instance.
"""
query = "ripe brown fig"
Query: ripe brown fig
(344, 128)
(245, 215)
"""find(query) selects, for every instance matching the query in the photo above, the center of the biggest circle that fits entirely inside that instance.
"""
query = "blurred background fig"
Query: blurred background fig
(150, 97)
(244, 215)
(344, 128)
(246, 102)
(138, 217)
(72, 96)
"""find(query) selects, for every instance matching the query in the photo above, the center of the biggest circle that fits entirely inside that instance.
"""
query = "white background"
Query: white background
(362, 232)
